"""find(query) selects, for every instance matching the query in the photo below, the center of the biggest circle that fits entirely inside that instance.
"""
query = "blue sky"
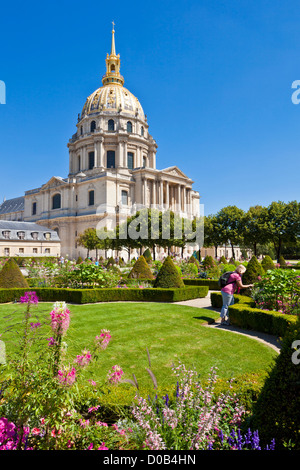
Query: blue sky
(213, 77)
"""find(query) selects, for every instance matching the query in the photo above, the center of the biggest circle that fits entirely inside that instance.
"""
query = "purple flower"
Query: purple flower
(29, 298)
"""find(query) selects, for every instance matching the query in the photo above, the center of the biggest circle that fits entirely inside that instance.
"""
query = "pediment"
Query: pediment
(174, 171)
(54, 182)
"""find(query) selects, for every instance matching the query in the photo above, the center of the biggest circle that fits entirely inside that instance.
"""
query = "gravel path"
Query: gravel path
(205, 303)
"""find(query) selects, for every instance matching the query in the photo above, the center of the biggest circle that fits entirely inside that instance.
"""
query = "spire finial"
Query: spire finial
(113, 47)
(113, 64)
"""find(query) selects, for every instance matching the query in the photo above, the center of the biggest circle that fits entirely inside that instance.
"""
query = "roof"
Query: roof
(12, 205)
(28, 227)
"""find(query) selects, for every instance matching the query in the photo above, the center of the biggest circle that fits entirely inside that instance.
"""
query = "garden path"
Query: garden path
(205, 303)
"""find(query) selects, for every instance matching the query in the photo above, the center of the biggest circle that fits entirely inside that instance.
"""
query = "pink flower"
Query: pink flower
(83, 359)
(115, 375)
(36, 431)
(60, 318)
(103, 339)
(102, 447)
(67, 376)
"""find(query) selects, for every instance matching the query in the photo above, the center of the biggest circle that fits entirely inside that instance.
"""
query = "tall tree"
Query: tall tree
(255, 228)
(283, 223)
(230, 224)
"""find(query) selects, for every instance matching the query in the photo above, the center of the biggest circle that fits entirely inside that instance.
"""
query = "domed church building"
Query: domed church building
(112, 168)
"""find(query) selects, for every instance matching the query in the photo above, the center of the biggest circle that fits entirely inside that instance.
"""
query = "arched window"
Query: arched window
(124, 198)
(91, 197)
(93, 126)
(129, 126)
(142, 131)
(110, 159)
(81, 130)
(56, 201)
(130, 160)
(111, 125)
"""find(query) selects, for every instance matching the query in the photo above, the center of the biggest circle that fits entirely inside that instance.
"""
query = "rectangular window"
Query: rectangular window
(124, 198)
(91, 198)
(6, 251)
(110, 159)
(130, 160)
(34, 250)
(6, 234)
(91, 160)
(47, 251)
(34, 208)
(21, 251)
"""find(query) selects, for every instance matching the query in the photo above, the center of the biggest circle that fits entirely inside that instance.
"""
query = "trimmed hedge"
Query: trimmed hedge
(244, 314)
(265, 321)
(84, 296)
(217, 302)
(213, 284)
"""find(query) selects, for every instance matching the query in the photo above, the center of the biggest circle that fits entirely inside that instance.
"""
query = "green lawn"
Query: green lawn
(171, 332)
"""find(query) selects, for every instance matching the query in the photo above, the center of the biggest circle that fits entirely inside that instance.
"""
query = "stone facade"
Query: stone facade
(112, 168)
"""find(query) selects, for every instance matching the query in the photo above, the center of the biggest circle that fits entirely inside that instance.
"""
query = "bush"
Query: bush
(83, 296)
(282, 261)
(147, 255)
(217, 300)
(140, 270)
(244, 314)
(110, 262)
(267, 263)
(194, 261)
(11, 276)
(213, 284)
(168, 276)
(253, 271)
(223, 260)
(208, 262)
(277, 411)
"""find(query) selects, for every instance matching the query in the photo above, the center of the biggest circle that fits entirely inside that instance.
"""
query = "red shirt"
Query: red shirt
(231, 288)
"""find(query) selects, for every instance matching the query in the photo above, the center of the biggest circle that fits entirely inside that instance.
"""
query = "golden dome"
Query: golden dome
(112, 97)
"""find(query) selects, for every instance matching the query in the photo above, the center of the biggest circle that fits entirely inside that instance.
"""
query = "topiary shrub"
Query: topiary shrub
(168, 275)
(79, 260)
(282, 261)
(141, 270)
(277, 411)
(11, 276)
(208, 262)
(147, 255)
(194, 260)
(223, 260)
(110, 262)
(253, 270)
(267, 263)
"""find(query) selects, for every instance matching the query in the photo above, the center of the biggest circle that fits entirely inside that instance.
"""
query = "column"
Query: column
(184, 199)
(154, 192)
(125, 164)
(179, 197)
(145, 191)
(161, 194)
(96, 157)
(167, 195)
